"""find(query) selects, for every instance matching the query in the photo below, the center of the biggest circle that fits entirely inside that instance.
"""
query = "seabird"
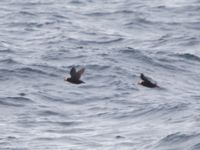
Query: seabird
(75, 76)
(145, 81)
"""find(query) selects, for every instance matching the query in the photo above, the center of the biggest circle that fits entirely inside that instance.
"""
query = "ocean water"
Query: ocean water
(116, 40)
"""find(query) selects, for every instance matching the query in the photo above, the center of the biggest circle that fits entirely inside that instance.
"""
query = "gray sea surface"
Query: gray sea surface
(115, 41)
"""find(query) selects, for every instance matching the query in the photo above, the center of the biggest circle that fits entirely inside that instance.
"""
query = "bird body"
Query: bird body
(145, 81)
(75, 76)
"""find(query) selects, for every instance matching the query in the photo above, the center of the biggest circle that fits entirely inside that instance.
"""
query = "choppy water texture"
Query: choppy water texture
(116, 40)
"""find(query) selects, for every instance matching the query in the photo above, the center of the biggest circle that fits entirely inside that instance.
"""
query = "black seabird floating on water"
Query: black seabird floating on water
(145, 81)
(75, 76)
